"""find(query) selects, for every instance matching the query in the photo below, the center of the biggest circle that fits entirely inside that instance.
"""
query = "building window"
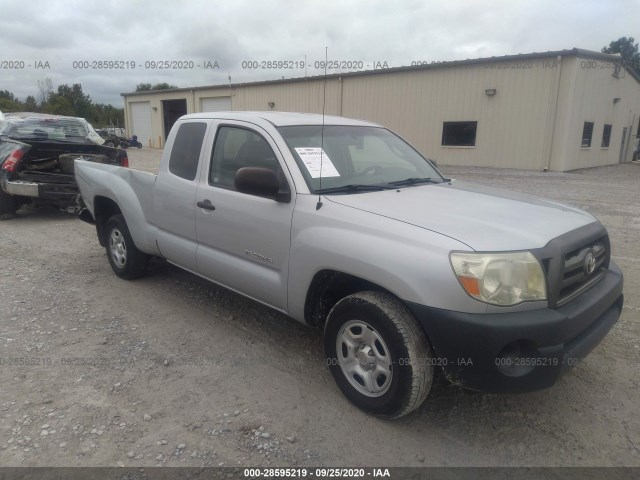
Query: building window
(587, 133)
(459, 134)
(606, 136)
(185, 153)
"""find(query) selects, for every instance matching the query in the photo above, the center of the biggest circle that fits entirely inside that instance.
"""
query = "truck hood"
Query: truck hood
(484, 218)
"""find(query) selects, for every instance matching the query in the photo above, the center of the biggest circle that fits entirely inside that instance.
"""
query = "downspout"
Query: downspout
(341, 88)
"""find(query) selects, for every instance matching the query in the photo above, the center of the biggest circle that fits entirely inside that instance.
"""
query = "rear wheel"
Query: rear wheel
(126, 260)
(109, 144)
(378, 355)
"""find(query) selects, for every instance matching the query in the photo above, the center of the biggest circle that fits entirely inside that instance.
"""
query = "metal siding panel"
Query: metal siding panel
(592, 99)
(215, 104)
(510, 125)
(522, 126)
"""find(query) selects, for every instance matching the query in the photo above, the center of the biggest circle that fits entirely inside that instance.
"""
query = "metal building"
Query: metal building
(558, 111)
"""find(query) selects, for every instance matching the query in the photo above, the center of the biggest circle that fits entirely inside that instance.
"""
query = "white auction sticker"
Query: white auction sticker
(311, 157)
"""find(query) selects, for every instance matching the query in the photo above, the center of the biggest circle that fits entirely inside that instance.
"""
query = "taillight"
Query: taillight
(124, 161)
(13, 161)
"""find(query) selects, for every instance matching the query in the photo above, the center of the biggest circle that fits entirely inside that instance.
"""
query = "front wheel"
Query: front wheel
(378, 355)
(138, 145)
(126, 260)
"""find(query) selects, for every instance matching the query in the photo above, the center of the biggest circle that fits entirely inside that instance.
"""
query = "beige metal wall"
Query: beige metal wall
(302, 96)
(512, 124)
(588, 91)
(534, 121)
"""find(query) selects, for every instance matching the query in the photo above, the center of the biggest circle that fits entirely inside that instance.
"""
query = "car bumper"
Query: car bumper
(62, 192)
(522, 351)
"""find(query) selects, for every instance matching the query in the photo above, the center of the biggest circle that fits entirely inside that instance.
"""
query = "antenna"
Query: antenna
(324, 98)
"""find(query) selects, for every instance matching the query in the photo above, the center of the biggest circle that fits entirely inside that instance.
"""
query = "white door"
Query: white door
(215, 104)
(141, 121)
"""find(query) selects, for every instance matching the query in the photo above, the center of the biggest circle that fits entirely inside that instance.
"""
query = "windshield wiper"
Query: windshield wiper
(356, 187)
(413, 181)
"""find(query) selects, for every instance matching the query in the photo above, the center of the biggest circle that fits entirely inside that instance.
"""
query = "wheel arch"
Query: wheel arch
(328, 287)
(104, 209)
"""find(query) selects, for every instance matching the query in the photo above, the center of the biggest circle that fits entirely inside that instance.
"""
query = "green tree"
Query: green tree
(8, 102)
(146, 87)
(628, 50)
(80, 102)
(65, 100)
(30, 104)
(59, 105)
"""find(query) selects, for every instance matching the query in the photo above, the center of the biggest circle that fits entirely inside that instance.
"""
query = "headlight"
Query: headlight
(500, 278)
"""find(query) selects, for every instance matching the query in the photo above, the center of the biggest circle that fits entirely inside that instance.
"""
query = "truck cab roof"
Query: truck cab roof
(281, 119)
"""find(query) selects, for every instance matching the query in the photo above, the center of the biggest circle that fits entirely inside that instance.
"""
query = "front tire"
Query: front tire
(126, 260)
(378, 355)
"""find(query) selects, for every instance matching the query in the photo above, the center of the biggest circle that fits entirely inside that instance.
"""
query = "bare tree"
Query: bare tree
(45, 88)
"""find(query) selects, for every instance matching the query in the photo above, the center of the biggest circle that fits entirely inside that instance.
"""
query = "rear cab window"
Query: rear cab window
(185, 152)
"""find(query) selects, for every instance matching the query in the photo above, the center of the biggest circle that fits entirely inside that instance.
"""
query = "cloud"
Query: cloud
(229, 32)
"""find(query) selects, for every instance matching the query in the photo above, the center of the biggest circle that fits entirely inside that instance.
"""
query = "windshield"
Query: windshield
(353, 156)
(61, 129)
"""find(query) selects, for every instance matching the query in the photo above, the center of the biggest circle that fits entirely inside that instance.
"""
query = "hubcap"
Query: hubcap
(118, 248)
(364, 358)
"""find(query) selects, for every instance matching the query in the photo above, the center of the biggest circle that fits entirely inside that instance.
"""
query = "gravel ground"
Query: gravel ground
(171, 370)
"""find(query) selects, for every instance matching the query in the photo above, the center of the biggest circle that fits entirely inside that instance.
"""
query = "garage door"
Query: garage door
(141, 121)
(215, 104)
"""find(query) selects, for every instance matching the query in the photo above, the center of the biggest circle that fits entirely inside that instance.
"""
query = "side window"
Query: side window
(459, 134)
(587, 133)
(185, 152)
(236, 148)
(606, 136)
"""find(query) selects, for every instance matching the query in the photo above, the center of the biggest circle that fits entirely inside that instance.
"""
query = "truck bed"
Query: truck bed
(97, 181)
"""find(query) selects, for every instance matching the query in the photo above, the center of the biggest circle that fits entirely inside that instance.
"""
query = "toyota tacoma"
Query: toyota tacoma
(343, 225)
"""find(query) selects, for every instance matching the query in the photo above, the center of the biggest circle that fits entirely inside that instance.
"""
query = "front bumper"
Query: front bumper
(522, 351)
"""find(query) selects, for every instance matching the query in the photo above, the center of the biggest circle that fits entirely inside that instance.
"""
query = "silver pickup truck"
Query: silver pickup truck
(341, 224)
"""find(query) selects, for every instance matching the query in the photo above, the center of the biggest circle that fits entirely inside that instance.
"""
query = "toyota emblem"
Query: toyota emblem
(589, 263)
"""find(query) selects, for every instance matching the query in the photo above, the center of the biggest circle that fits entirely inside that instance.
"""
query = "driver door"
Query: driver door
(243, 239)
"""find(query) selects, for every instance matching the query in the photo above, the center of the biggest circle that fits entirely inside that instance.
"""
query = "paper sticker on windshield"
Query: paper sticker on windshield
(311, 159)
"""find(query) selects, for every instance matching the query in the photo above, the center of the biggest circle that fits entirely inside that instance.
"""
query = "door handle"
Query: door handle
(206, 204)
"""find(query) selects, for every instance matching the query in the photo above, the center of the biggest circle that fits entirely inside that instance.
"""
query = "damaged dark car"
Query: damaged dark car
(37, 154)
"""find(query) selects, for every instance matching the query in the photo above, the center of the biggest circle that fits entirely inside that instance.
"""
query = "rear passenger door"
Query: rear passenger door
(243, 239)
(175, 193)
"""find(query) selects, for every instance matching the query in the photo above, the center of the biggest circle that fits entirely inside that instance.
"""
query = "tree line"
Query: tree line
(69, 100)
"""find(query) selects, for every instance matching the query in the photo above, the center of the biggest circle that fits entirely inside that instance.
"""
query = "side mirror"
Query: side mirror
(262, 182)
(432, 162)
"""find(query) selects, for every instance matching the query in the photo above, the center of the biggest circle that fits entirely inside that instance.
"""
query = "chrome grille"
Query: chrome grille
(583, 267)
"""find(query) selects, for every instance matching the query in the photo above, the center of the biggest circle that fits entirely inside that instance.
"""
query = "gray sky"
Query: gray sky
(232, 31)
